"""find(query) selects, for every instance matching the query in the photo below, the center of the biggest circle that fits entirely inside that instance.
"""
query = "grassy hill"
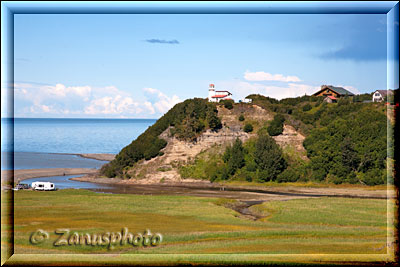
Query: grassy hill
(345, 142)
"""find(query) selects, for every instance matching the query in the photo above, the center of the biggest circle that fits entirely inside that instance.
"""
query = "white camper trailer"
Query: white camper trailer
(43, 186)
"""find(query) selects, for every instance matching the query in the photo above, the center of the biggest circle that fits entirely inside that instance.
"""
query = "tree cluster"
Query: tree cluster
(260, 160)
(276, 126)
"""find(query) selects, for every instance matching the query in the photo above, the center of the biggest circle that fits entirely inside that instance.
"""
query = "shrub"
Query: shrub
(288, 175)
(248, 128)
(307, 107)
(276, 126)
(227, 103)
(241, 117)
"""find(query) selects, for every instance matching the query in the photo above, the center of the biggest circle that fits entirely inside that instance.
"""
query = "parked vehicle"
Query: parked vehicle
(43, 186)
(21, 186)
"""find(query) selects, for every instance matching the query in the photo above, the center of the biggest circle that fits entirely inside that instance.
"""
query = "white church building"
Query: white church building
(216, 96)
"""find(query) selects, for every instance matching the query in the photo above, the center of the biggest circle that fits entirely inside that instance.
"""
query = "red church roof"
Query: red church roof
(219, 96)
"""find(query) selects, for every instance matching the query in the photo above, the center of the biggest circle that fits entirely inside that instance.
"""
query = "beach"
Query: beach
(98, 156)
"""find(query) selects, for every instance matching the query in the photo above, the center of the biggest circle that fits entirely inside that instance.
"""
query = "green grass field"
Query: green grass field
(202, 225)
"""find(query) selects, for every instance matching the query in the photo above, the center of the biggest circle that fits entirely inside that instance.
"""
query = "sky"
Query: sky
(140, 65)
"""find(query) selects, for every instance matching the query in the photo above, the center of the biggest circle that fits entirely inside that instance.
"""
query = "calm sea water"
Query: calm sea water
(74, 135)
(50, 143)
(34, 160)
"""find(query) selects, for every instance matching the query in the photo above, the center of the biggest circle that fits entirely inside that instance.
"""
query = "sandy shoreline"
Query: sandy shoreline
(98, 156)
(20, 175)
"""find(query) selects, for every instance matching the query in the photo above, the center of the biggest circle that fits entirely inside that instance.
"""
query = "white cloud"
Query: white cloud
(109, 101)
(41, 109)
(149, 107)
(159, 100)
(113, 105)
(60, 91)
(265, 76)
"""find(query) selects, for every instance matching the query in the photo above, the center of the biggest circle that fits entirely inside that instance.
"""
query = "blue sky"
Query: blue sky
(139, 66)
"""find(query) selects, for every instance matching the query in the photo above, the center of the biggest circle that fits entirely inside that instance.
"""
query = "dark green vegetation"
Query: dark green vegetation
(276, 126)
(248, 128)
(227, 103)
(201, 225)
(187, 119)
(350, 148)
(346, 142)
(259, 159)
(241, 117)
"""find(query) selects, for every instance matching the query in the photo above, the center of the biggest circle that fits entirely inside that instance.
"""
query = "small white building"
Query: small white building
(247, 100)
(216, 96)
(380, 95)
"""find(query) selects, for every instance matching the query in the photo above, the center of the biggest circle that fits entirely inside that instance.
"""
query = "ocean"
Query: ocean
(36, 141)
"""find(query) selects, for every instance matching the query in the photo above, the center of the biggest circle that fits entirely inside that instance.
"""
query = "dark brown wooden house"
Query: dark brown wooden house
(329, 90)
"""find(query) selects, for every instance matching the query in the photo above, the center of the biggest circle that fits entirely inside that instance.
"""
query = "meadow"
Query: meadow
(200, 228)
(203, 225)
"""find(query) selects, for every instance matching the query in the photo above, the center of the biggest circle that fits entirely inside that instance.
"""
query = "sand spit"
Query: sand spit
(20, 175)
(98, 156)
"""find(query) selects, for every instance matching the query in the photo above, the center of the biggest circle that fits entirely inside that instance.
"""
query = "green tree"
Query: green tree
(213, 121)
(269, 158)
(236, 158)
(276, 126)
(248, 128)
(350, 157)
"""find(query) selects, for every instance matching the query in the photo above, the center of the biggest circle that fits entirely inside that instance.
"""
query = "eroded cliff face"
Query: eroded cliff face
(177, 152)
(291, 137)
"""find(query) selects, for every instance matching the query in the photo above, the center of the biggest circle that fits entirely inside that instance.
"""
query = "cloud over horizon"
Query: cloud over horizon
(78, 101)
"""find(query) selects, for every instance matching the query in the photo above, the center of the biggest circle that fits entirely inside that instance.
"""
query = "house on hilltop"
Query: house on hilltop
(379, 95)
(216, 96)
(330, 90)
